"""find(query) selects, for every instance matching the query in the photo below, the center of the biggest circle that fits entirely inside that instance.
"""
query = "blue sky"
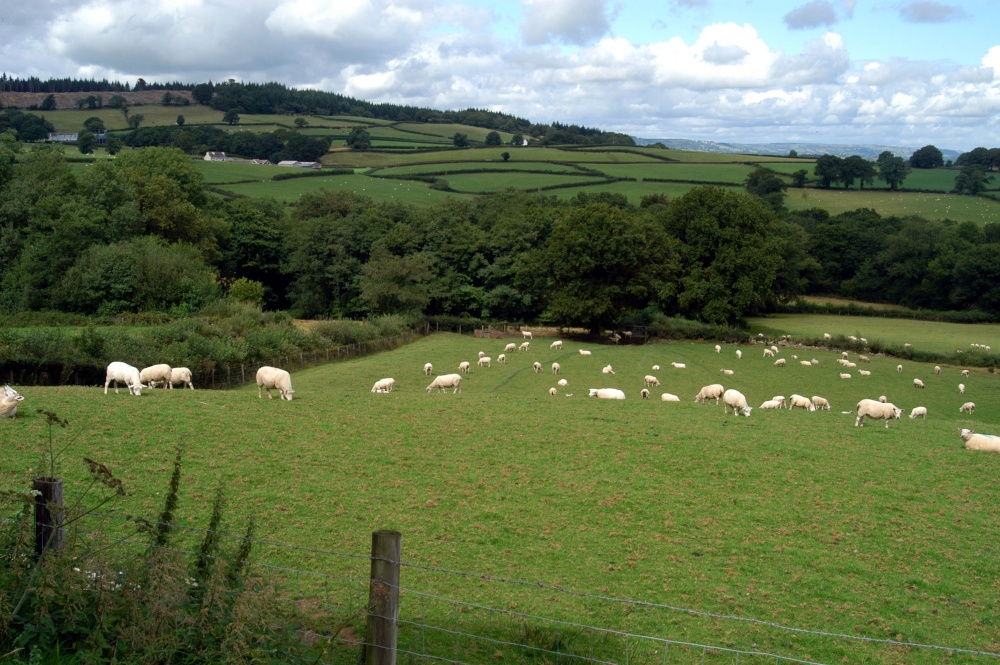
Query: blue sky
(891, 72)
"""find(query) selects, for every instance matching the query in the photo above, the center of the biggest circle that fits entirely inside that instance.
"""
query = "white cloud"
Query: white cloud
(568, 21)
(812, 15)
(923, 11)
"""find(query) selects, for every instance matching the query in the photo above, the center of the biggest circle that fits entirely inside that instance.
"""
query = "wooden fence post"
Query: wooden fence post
(383, 599)
(48, 514)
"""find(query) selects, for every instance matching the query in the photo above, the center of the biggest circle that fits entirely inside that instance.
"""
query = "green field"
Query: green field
(792, 518)
(289, 191)
(931, 206)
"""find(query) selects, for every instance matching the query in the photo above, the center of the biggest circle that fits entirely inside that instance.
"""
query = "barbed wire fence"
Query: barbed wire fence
(396, 610)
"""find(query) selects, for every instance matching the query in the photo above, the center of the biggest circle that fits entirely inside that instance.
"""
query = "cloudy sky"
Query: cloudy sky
(893, 72)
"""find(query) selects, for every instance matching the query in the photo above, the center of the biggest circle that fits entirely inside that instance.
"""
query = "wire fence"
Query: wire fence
(438, 622)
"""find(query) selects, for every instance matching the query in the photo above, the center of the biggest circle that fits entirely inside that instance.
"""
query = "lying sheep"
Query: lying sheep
(384, 386)
(120, 372)
(553, 392)
(669, 397)
(780, 362)
(562, 383)
(821, 403)
(607, 370)
(770, 404)
(502, 359)
(584, 352)
(156, 374)
(556, 344)
(644, 393)
(727, 372)
(485, 361)
(446, 381)
(650, 380)
(864, 372)
(918, 411)
(679, 365)
(537, 366)
(713, 391)
(845, 375)
(917, 383)
(850, 365)
(814, 361)
(656, 368)
(876, 411)
(806, 363)
(736, 400)
(464, 367)
(843, 361)
(800, 402)
(607, 393)
(279, 379)
(970, 407)
(556, 367)
(428, 369)
(975, 441)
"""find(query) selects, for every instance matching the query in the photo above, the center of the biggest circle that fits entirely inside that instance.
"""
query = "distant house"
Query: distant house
(301, 165)
(216, 157)
(99, 137)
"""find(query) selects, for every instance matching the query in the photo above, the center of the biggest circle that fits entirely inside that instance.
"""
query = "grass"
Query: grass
(289, 191)
(794, 518)
(903, 204)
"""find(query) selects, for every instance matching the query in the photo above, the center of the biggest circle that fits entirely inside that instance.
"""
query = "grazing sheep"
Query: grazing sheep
(523, 346)
(780, 362)
(727, 372)
(120, 372)
(156, 374)
(806, 363)
(864, 372)
(650, 380)
(669, 397)
(644, 393)
(584, 352)
(780, 399)
(485, 361)
(961, 389)
(975, 441)
(883, 399)
(876, 411)
(428, 369)
(502, 359)
(537, 366)
(384, 386)
(713, 391)
(607, 393)
(768, 353)
(525, 334)
(917, 383)
(770, 404)
(844, 375)
(555, 368)
(656, 368)
(970, 407)
(556, 344)
(907, 345)
(679, 365)
(852, 338)
(965, 373)
(553, 392)
(800, 402)
(464, 367)
(827, 336)
(821, 403)
(718, 349)
(607, 370)
(845, 355)
(864, 359)
(510, 347)
(279, 379)
(937, 369)
(181, 376)
(774, 349)
(739, 354)
(918, 411)
(899, 369)
(736, 400)
(482, 354)
(562, 383)
(9, 404)
(863, 341)
(446, 381)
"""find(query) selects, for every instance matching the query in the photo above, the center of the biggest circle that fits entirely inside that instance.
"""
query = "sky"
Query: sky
(888, 72)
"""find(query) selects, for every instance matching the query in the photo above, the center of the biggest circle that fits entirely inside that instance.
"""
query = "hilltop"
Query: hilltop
(868, 151)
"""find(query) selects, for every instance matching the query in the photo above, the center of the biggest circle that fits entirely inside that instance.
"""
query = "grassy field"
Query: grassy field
(289, 191)
(930, 206)
(795, 518)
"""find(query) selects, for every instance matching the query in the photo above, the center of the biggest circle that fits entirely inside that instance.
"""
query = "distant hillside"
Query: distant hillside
(803, 149)
(74, 100)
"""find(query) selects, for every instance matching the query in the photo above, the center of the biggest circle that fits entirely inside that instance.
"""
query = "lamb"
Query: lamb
(800, 402)
(537, 366)
(713, 391)
(739, 354)
(961, 389)
(553, 392)
(607, 393)
(428, 368)
(937, 369)
(669, 397)
(965, 373)
(679, 365)
(556, 344)
(607, 370)
(770, 404)
(279, 379)
(644, 393)
(120, 372)
(968, 406)
(821, 403)
(975, 441)
(156, 374)
(780, 399)
(876, 411)
(502, 359)
(918, 411)
(525, 334)
(883, 399)
(182, 376)
(780, 362)
(899, 369)
(656, 368)
(464, 367)
(864, 372)
(9, 404)
(484, 361)
(562, 383)
(510, 347)
(555, 368)
(650, 380)
(523, 346)
(845, 375)
(384, 386)
(446, 381)
(584, 352)
(736, 400)
(917, 383)
(718, 349)
(727, 372)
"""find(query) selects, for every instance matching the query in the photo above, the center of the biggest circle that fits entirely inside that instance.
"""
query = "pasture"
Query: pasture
(792, 518)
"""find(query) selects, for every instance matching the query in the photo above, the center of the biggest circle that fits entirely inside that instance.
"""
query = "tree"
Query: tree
(892, 170)
(928, 157)
(301, 123)
(135, 120)
(167, 99)
(202, 93)
(49, 103)
(505, 156)
(359, 139)
(517, 140)
(231, 117)
(114, 145)
(94, 124)
(247, 290)
(768, 185)
(827, 169)
(117, 102)
(85, 143)
(393, 284)
(857, 168)
(493, 139)
(971, 180)
(799, 178)
(180, 121)
(460, 140)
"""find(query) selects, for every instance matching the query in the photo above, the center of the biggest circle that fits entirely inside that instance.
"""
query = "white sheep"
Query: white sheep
(644, 393)
(650, 380)
(562, 383)
(917, 383)
(446, 381)
(918, 411)
(607, 393)
(965, 373)
(937, 369)
(9, 404)
(679, 365)
(556, 367)
(279, 379)
(428, 369)
(970, 407)
(553, 392)
(780, 399)
(821, 403)
(736, 400)
(120, 372)
(864, 359)
(865, 372)
(669, 397)
(800, 402)
(713, 391)
(845, 355)
(876, 411)
(827, 336)
(502, 359)
(607, 370)
(844, 375)
(805, 363)
(780, 362)
(181, 376)
(7, 391)
(485, 361)
(907, 345)
(384, 386)
(156, 374)
(523, 346)
(975, 441)
(584, 352)
(850, 365)
(718, 349)
(770, 404)
(525, 334)
(814, 361)
(852, 338)
(739, 354)
(510, 347)
(961, 389)
(537, 366)
(843, 361)
(556, 344)
(768, 353)
(482, 354)
(656, 368)
(774, 349)
(899, 369)
(464, 367)
(727, 372)
(863, 341)
(883, 399)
